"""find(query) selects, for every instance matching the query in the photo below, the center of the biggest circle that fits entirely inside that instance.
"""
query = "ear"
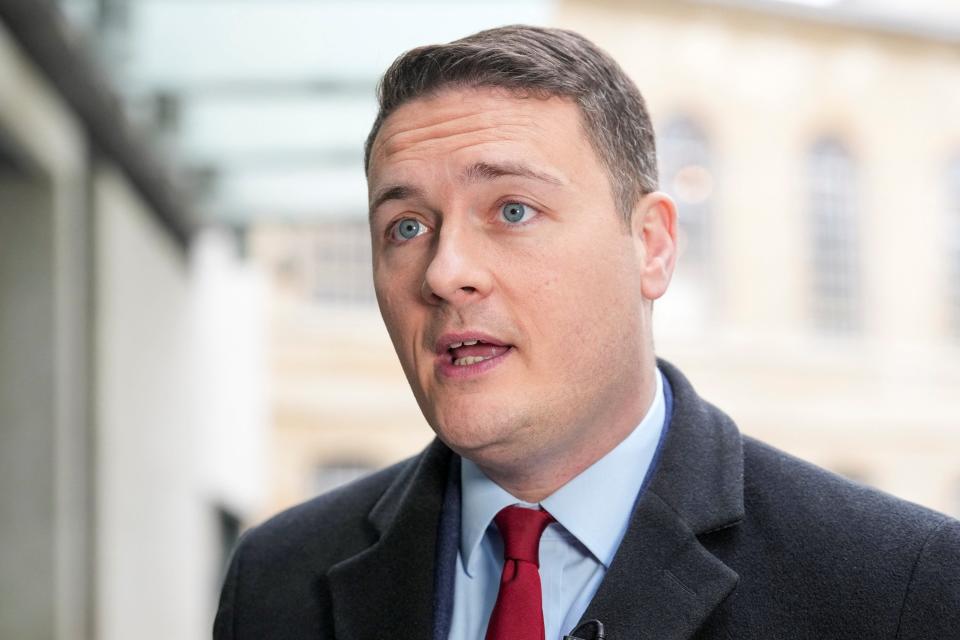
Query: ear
(654, 230)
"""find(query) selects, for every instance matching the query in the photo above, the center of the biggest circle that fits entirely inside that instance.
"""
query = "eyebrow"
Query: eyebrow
(491, 171)
(478, 172)
(394, 192)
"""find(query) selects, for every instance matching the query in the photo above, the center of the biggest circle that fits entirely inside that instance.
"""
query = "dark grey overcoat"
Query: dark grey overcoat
(730, 539)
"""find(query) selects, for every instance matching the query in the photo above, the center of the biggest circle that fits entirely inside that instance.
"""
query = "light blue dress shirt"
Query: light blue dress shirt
(592, 512)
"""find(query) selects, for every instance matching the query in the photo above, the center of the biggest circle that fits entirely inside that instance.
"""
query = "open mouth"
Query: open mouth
(471, 352)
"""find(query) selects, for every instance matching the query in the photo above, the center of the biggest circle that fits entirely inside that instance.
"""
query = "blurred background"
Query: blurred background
(189, 340)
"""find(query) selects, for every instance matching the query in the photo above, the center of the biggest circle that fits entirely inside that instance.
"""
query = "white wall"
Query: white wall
(43, 389)
(230, 320)
(155, 537)
(181, 416)
(130, 400)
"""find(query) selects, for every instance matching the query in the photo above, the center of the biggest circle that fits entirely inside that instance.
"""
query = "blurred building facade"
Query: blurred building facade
(123, 477)
(813, 152)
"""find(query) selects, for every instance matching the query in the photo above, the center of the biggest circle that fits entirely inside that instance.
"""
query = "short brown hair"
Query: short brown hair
(544, 63)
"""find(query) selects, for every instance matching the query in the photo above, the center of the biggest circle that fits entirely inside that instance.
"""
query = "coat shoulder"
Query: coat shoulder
(867, 563)
(328, 527)
(783, 487)
(274, 586)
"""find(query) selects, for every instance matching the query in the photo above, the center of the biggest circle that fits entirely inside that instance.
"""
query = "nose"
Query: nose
(457, 273)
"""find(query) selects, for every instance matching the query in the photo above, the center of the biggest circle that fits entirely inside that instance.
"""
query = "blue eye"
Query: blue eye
(515, 212)
(407, 229)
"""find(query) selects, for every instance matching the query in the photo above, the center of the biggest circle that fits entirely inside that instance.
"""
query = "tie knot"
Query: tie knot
(521, 529)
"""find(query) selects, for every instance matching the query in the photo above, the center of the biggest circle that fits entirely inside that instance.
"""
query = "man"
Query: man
(577, 485)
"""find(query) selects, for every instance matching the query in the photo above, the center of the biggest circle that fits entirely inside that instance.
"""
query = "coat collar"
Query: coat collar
(700, 471)
(663, 583)
(387, 590)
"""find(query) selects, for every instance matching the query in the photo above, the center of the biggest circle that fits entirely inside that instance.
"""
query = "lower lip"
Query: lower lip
(446, 369)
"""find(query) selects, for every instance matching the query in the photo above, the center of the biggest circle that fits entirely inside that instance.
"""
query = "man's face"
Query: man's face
(510, 285)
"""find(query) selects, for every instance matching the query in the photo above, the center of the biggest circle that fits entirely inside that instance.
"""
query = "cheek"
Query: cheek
(396, 280)
(387, 300)
(398, 315)
(581, 303)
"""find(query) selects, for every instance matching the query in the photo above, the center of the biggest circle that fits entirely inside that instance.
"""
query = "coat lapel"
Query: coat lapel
(663, 583)
(387, 591)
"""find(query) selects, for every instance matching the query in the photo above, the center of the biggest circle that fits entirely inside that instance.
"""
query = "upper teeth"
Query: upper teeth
(468, 343)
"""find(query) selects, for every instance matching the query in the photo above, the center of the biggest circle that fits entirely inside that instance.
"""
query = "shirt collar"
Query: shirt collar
(599, 524)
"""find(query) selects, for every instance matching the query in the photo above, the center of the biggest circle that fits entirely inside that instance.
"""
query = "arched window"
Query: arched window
(835, 251)
(686, 173)
(953, 246)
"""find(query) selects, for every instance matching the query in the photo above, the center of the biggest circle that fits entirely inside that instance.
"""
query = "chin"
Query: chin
(471, 438)
(479, 436)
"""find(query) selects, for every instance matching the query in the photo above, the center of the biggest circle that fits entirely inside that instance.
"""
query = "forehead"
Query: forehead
(456, 125)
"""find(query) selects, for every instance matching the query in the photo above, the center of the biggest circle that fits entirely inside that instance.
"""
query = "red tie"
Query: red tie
(518, 614)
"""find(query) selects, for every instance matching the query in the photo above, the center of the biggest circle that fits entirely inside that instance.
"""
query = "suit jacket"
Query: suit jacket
(730, 538)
